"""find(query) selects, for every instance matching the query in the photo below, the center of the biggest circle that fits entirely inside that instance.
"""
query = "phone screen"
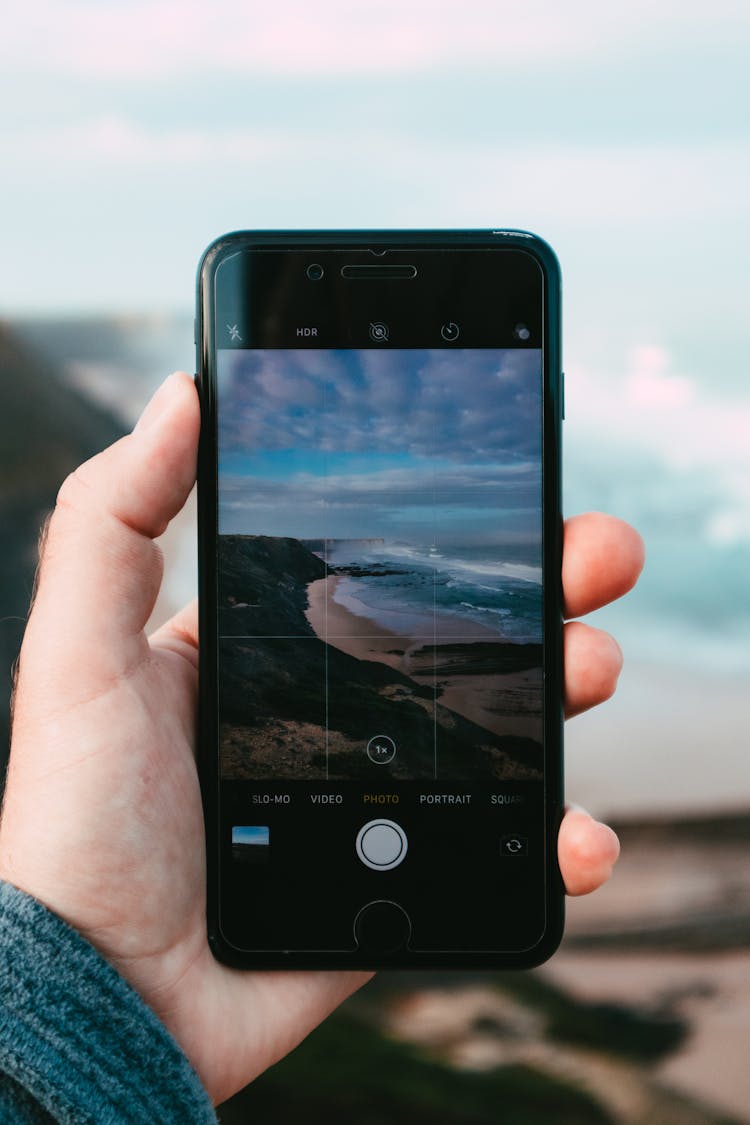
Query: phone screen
(380, 608)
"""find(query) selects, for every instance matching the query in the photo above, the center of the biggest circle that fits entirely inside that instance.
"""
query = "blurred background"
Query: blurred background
(133, 133)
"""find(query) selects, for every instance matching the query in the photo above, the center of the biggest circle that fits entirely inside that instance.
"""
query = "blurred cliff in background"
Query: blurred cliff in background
(47, 428)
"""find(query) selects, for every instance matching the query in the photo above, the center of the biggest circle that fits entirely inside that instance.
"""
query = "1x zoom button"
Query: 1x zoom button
(381, 844)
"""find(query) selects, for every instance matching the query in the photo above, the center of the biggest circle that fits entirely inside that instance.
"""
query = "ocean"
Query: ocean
(406, 589)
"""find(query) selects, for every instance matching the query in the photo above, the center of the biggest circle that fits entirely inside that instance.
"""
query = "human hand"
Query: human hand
(102, 820)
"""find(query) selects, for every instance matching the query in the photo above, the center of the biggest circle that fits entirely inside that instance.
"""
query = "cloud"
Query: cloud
(483, 487)
(465, 405)
(155, 40)
(256, 165)
(402, 442)
(688, 449)
(492, 504)
(120, 140)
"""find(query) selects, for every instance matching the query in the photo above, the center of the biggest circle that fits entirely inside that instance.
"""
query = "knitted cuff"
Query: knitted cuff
(77, 1037)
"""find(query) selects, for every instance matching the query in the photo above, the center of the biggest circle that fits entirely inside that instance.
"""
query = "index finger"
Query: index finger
(602, 558)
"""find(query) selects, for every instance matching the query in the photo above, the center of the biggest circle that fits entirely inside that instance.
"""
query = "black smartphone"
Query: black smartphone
(380, 530)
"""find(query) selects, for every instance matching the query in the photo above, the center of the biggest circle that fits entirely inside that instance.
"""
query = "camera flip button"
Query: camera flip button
(381, 844)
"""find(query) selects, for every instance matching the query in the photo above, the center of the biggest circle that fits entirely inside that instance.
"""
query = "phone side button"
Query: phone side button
(562, 395)
(382, 927)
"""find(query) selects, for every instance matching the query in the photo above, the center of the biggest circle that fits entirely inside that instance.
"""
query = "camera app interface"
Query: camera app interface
(379, 564)
(379, 584)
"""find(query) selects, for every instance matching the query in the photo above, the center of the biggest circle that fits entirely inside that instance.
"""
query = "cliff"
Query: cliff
(46, 430)
(262, 585)
(275, 672)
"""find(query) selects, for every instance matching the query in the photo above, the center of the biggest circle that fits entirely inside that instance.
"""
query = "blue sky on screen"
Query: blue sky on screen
(258, 834)
(355, 444)
(463, 404)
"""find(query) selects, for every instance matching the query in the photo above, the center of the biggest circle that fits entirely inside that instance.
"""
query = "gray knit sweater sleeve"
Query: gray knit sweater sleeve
(77, 1044)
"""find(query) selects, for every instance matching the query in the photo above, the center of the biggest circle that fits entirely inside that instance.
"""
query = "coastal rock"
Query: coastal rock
(277, 717)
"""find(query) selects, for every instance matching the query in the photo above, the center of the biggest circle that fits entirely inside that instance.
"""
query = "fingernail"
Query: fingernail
(155, 407)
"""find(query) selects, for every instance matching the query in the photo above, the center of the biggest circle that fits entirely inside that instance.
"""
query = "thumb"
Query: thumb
(100, 571)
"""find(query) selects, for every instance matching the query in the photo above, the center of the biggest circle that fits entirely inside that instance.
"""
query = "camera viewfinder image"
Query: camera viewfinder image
(380, 563)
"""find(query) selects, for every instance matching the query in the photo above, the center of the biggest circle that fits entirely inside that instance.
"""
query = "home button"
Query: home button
(382, 927)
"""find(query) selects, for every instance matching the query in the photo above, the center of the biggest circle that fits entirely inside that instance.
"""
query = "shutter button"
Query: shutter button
(381, 844)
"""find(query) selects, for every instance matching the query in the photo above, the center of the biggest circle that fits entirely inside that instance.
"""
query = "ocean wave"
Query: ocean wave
(458, 567)
(487, 609)
(520, 571)
(406, 610)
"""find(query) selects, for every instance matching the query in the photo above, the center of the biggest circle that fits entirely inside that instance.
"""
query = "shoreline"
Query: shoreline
(482, 699)
(336, 625)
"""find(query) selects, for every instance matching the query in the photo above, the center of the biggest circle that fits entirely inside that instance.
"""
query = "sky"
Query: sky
(134, 133)
(387, 443)
(256, 834)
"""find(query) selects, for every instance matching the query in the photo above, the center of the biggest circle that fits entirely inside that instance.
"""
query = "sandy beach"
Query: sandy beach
(507, 704)
(361, 638)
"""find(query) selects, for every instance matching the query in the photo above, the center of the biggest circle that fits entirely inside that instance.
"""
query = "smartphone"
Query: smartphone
(380, 531)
